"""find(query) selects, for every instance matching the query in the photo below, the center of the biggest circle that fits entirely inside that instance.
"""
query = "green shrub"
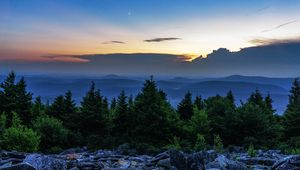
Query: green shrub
(251, 151)
(174, 144)
(200, 143)
(20, 138)
(218, 145)
(52, 132)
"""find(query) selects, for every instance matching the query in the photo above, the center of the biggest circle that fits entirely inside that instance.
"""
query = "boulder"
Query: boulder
(21, 166)
(288, 163)
(223, 163)
(42, 162)
(164, 163)
(258, 161)
(182, 161)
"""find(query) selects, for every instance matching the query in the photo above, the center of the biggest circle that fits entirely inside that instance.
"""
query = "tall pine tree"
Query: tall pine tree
(185, 107)
(292, 113)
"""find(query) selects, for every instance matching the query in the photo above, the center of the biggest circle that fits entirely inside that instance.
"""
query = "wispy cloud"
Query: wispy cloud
(262, 9)
(279, 26)
(113, 42)
(259, 10)
(269, 41)
(162, 39)
(65, 58)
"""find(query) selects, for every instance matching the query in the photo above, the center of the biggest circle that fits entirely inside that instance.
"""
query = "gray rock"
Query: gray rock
(288, 163)
(178, 160)
(74, 150)
(258, 161)
(21, 166)
(164, 163)
(223, 163)
(160, 156)
(42, 162)
(183, 161)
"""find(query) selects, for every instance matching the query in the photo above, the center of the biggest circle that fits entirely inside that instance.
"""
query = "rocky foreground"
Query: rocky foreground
(81, 159)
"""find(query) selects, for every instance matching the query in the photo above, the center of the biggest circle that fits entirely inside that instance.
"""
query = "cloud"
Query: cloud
(65, 58)
(262, 9)
(279, 26)
(269, 41)
(114, 42)
(278, 58)
(162, 39)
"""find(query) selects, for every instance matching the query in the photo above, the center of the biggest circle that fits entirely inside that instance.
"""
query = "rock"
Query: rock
(258, 161)
(123, 164)
(164, 163)
(183, 161)
(73, 156)
(178, 160)
(21, 166)
(74, 150)
(223, 163)
(16, 155)
(196, 161)
(125, 149)
(288, 163)
(42, 162)
(160, 156)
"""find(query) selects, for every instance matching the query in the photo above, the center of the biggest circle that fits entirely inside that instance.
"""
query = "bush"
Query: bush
(52, 132)
(251, 151)
(21, 139)
(218, 145)
(200, 143)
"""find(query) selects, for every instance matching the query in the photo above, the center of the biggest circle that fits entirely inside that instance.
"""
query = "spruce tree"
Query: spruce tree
(69, 103)
(15, 98)
(93, 123)
(185, 107)
(152, 114)
(113, 104)
(38, 107)
(292, 113)
(121, 119)
(57, 108)
(199, 103)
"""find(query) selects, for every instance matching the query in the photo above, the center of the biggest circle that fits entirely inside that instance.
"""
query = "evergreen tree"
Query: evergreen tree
(57, 108)
(185, 107)
(93, 123)
(230, 98)
(199, 103)
(121, 119)
(15, 98)
(269, 110)
(69, 103)
(113, 104)
(38, 107)
(152, 117)
(292, 113)
(257, 98)
(220, 111)
(253, 125)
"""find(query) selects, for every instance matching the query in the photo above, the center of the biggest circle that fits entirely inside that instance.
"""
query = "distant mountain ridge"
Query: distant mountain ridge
(48, 87)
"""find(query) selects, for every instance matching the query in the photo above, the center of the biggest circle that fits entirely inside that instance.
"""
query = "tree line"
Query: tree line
(146, 122)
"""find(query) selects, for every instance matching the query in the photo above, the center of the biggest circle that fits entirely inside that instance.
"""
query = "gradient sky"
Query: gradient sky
(33, 28)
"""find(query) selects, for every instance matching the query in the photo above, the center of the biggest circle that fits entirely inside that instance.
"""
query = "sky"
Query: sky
(35, 31)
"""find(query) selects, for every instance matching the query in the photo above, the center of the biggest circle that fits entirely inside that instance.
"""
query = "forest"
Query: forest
(146, 122)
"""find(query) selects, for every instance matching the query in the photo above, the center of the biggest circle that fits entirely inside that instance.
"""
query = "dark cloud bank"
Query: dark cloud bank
(278, 59)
